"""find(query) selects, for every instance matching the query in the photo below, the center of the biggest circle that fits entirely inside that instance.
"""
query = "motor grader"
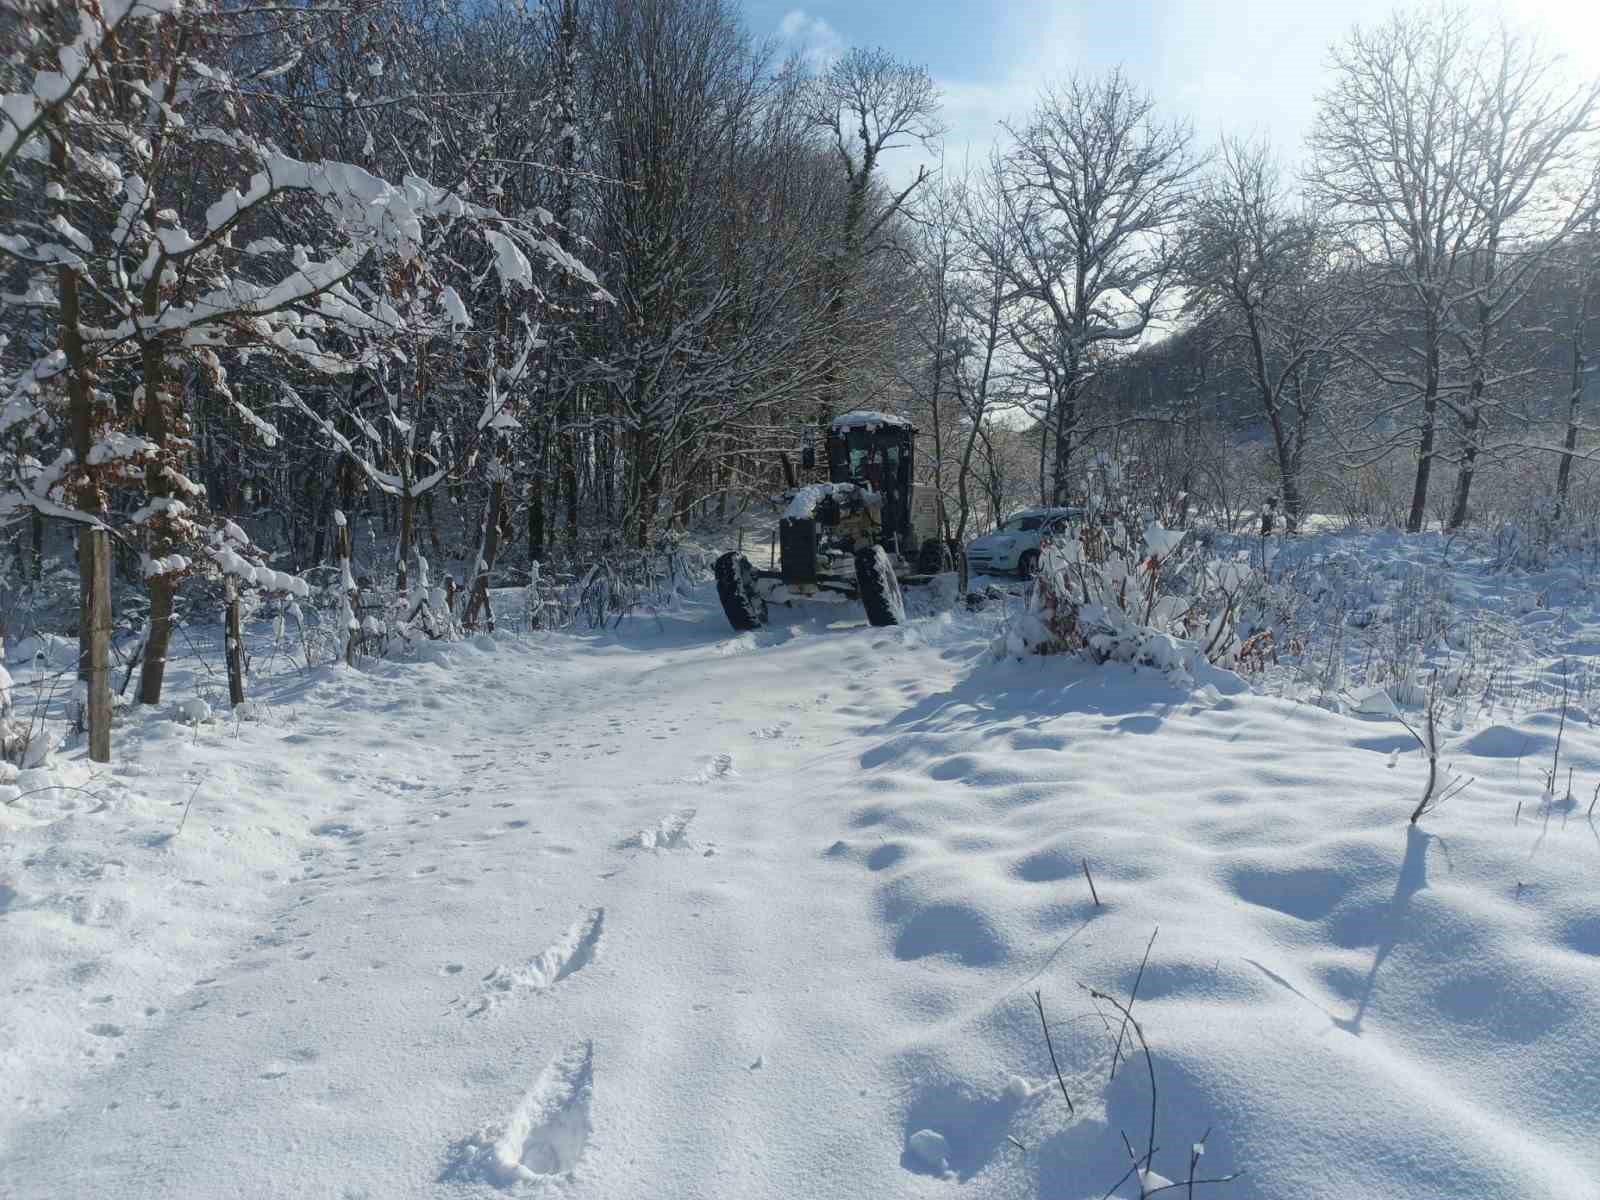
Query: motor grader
(864, 534)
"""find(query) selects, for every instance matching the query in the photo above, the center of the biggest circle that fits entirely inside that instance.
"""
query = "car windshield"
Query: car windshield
(1021, 524)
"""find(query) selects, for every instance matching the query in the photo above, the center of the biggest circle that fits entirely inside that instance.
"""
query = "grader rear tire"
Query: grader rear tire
(880, 590)
(736, 588)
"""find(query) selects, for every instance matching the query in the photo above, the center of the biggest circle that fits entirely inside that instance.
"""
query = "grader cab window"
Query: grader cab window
(879, 457)
(877, 463)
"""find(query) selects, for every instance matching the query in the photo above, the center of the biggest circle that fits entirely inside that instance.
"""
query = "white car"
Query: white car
(1014, 547)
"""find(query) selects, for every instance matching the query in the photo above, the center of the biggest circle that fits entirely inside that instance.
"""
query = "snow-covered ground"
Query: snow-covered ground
(670, 912)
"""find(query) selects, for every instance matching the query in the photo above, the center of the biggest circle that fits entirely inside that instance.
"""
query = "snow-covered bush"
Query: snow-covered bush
(605, 586)
(1161, 599)
(24, 741)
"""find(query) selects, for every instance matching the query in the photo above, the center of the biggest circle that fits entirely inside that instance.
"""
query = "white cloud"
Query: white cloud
(811, 36)
(1247, 66)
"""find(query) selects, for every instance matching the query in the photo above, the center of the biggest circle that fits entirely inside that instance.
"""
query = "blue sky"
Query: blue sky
(1228, 65)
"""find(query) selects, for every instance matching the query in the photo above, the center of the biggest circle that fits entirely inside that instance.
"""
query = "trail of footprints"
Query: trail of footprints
(545, 1135)
(575, 949)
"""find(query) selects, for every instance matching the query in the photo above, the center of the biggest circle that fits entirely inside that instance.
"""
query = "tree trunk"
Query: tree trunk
(567, 83)
(1568, 445)
(94, 557)
(158, 641)
(1288, 472)
(1430, 407)
(536, 521)
(569, 483)
(94, 562)
(649, 489)
(1066, 418)
(1293, 502)
(1458, 505)
(153, 671)
(408, 524)
(319, 539)
(79, 404)
(1580, 369)
(1419, 490)
(488, 550)
(429, 516)
(1044, 453)
(235, 643)
(347, 583)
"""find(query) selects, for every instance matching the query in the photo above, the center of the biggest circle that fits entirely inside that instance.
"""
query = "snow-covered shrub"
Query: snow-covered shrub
(1374, 495)
(618, 586)
(1366, 620)
(23, 741)
(1542, 535)
(613, 586)
(428, 611)
(1163, 600)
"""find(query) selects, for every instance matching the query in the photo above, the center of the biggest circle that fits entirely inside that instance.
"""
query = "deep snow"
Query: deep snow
(672, 912)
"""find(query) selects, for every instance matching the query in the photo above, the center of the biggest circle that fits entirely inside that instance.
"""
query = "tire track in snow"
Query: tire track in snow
(545, 1135)
(561, 960)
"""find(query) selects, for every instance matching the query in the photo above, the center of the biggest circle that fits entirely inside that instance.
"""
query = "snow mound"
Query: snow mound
(45, 650)
(869, 419)
(930, 1149)
(1502, 741)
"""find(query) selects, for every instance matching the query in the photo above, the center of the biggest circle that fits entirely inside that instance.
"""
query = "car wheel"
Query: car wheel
(1028, 563)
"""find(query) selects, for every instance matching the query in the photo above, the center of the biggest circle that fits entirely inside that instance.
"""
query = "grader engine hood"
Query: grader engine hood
(810, 512)
(822, 501)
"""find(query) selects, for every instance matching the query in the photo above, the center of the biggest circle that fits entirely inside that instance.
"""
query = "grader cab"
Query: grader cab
(861, 535)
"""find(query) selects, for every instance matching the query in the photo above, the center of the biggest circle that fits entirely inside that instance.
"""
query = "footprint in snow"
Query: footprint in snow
(561, 960)
(670, 833)
(718, 766)
(544, 1136)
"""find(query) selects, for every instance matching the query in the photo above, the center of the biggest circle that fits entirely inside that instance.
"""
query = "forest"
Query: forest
(303, 301)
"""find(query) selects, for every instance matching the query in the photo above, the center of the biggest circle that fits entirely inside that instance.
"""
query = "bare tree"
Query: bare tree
(1393, 145)
(868, 102)
(1095, 186)
(1263, 270)
(983, 378)
(936, 327)
(965, 372)
(1527, 131)
(1580, 261)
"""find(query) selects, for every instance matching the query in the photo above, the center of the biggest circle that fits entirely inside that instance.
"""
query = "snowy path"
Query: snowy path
(464, 920)
(688, 915)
